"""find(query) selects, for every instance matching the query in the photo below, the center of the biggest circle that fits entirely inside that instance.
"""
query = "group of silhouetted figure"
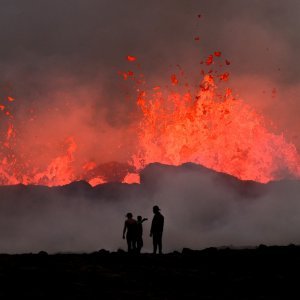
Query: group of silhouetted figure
(134, 231)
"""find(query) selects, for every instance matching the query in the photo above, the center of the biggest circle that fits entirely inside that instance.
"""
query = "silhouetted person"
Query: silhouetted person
(139, 241)
(157, 228)
(130, 228)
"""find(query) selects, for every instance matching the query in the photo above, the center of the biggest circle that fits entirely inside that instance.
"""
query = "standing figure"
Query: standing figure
(139, 242)
(157, 228)
(130, 228)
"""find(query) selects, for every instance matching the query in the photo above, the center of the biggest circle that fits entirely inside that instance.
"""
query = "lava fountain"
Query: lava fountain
(206, 125)
(212, 128)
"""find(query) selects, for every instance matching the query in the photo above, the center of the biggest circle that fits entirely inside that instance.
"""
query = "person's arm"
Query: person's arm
(145, 219)
(124, 230)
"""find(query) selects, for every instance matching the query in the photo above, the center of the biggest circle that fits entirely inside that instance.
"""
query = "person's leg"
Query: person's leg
(154, 243)
(134, 246)
(159, 241)
(128, 244)
(139, 244)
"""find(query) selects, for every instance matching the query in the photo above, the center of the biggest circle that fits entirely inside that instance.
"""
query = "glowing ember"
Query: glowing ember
(174, 79)
(224, 76)
(131, 58)
(209, 60)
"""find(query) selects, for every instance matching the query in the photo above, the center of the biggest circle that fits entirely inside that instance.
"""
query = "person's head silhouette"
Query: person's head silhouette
(156, 209)
(129, 215)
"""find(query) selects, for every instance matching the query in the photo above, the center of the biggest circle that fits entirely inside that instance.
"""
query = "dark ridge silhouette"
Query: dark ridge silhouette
(115, 190)
(153, 176)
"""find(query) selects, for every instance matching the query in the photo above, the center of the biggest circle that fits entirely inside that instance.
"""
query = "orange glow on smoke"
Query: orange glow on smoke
(60, 169)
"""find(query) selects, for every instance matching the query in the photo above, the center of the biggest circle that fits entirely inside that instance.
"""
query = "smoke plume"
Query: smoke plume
(202, 208)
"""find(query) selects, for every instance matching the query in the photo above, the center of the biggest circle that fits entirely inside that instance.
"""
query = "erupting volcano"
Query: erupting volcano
(205, 124)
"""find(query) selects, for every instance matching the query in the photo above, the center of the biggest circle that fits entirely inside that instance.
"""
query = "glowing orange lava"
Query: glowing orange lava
(213, 129)
(210, 127)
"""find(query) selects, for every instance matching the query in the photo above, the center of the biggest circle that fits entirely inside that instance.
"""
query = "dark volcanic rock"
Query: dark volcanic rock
(214, 274)
(153, 174)
(152, 177)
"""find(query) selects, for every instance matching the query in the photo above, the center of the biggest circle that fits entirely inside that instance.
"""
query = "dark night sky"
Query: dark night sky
(85, 38)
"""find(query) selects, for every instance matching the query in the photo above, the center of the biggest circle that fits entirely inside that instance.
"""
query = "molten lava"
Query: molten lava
(208, 126)
(213, 129)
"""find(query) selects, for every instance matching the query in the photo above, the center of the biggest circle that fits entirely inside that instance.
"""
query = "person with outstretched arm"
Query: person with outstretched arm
(139, 242)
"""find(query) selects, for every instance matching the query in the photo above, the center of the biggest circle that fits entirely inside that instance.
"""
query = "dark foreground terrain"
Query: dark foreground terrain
(261, 273)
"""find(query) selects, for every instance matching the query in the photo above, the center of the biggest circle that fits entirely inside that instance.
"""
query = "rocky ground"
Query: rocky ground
(260, 273)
